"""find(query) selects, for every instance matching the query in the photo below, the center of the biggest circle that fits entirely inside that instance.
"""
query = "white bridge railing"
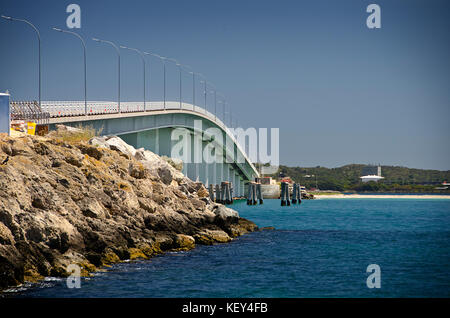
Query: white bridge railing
(77, 108)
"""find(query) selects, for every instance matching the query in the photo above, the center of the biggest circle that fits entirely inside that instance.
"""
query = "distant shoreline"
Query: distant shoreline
(382, 196)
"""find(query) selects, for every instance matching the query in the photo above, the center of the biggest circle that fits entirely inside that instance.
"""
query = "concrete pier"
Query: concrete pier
(218, 194)
(296, 194)
(226, 192)
(259, 193)
(254, 194)
(285, 197)
(251, 194)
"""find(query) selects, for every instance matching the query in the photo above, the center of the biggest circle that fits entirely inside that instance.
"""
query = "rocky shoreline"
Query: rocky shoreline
(97, 202)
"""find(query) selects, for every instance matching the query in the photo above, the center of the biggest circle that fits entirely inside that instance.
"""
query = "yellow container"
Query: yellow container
(31, 128)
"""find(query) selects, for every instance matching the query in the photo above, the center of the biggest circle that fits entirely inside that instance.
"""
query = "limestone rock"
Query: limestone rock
(6, 237)
(209, 237)
(99, 142)
(95, 203)
(91, 208)
(225, 214)
(202, 192)
(184, 242)
(159, 167)
(116, 143)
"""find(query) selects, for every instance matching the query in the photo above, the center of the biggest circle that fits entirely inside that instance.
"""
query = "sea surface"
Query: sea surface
(320, 248)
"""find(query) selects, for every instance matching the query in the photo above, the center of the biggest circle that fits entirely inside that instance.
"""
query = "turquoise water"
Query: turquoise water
(320, 248)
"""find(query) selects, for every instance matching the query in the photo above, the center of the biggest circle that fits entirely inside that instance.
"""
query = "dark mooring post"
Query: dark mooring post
(223, 193)
(226, 192)
(285, 197)
(211, 192)
(218, 194)
(283, 193)
(299, 195)
(227, 187)
(259, 193)
(230, 187)
(250, 193)
(294, 193)
(288, 195)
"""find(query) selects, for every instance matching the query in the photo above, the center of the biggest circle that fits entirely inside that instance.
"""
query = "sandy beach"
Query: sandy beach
(381, 196)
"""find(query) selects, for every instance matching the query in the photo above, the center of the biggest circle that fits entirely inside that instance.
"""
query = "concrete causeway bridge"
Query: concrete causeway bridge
(151, 125)
(153, 128)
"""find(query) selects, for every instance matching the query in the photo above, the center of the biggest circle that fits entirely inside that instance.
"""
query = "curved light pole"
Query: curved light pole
(143, 62)
(215, 99)
(223, 103)
(163, 60)
(193, 90)
(223, 108)
(214, 90)
(84, 53)
(205, 89)
(179, 68)
(39, 41)
(193, 84)
(118, 77)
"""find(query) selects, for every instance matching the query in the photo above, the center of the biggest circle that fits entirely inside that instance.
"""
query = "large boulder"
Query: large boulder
(116, 143)
(158, 166)
(99, 142)
(209, 237)
(184, 242)
(225, 214)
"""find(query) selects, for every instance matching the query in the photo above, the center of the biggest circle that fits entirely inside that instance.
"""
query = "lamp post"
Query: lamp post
(143, 63)
(215, 97)
(223, 103)
(84, 55)
(39, 42)
(231, 118)
(223, 108)
(179, 68)
(193, 84)
(163, 60)
(193, 90)
(118, 77)
(205, 91)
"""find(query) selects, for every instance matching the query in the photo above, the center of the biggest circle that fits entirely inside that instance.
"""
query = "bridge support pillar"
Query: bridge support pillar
(237, 192)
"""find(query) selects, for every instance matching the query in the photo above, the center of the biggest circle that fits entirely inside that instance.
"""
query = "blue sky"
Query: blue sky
(339, 92)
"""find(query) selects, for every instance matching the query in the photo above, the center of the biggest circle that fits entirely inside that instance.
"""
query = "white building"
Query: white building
(372, 177)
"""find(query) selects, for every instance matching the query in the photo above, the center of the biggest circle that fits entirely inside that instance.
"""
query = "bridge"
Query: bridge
(152, 128)
(150, 125)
